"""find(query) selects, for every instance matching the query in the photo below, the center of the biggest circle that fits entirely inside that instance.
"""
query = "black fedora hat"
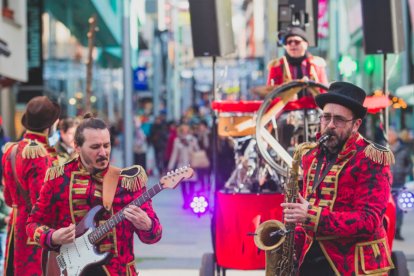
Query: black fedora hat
(40, 114)
(345, 94)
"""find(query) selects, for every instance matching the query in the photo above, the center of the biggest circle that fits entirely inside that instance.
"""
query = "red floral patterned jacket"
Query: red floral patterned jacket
(33, 158)
(70, 192)
(347, 209)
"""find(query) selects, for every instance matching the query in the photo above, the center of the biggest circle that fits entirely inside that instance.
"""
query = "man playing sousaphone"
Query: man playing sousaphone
(297, 63)
(346, 188)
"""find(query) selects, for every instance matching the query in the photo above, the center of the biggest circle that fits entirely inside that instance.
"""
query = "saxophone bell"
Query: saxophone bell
(270, 235)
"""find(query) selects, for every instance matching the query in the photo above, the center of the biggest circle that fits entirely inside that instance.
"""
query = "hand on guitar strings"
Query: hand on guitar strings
(64, 235)
(296, 212)
(138, 217)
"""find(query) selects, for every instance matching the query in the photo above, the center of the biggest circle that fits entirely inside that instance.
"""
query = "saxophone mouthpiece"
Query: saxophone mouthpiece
(324, 138)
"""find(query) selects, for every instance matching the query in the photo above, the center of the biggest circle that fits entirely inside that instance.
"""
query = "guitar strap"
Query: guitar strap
(22, 191)
(110, 182)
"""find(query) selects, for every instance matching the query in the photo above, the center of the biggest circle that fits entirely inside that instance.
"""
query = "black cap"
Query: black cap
(292, 31)
(345, 94)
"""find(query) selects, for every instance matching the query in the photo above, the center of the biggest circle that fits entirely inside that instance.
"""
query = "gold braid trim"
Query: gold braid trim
(133, 178)
(273, 63)
(54, 172)
(379, 154)
(34, 150)
(8, 145)
(38, 232)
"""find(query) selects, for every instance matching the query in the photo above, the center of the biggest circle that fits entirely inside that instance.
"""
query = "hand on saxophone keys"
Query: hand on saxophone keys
(296, 212)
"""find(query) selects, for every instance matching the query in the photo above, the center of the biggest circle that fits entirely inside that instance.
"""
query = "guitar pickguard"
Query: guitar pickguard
(76, 256)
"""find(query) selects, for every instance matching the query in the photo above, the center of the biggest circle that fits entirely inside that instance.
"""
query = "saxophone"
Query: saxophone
(276, 238)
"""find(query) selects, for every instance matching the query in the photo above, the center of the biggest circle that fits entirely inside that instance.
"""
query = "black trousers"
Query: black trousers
(316, 267)
(315, 263)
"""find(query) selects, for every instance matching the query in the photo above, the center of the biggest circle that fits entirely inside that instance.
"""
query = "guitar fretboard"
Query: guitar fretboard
(101, 230)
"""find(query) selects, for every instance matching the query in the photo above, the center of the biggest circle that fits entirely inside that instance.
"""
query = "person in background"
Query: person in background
(65, 147)
(4, 221)
(346, 188)
(3, 140)
(140, 145)
(24, 168)
(297, 62)
(407, 136)
(172, 134)
(4, 209)
(157, 137)
(402, 168)
(204, 140)
(184, 145)
(73, 189)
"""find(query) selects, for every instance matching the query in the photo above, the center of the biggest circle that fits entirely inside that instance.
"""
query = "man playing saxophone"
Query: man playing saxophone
(346, 188)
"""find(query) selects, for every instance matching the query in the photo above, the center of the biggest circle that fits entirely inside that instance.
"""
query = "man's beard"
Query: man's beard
(336, 145)
(89, 162)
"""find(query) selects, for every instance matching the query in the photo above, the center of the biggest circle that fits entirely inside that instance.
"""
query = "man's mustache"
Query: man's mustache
(101, 159)
(330, 132)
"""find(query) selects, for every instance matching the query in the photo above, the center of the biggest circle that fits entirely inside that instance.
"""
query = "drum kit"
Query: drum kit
(265, 133)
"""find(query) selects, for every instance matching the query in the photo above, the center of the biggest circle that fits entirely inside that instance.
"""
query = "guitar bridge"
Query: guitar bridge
(61, 262)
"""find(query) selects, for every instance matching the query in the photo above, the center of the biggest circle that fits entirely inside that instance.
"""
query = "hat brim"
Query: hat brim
(359, 111)
(290, 35)
(55, 113)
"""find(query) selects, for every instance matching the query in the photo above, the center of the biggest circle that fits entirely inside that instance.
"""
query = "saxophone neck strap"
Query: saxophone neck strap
(318, 180)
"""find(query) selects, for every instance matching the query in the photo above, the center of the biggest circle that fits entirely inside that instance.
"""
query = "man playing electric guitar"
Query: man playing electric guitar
(73, 189)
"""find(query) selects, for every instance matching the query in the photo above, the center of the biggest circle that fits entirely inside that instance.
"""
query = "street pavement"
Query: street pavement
(186, 237)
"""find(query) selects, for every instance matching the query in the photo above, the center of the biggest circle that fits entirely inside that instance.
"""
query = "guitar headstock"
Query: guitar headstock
(174, 177)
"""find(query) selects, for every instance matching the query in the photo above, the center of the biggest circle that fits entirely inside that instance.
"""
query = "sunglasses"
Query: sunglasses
(293, 41)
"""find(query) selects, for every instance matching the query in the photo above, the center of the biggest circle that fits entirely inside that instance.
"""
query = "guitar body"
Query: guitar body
(75, 258)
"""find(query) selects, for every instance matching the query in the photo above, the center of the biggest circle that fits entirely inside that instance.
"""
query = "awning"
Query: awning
(407, 93)
(375, 104)
(74, 15)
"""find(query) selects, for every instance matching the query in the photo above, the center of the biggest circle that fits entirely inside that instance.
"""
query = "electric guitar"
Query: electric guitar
(75, 258)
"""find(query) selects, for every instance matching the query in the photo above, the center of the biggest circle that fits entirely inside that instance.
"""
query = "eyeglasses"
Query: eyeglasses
(293, 41)
(338, 121)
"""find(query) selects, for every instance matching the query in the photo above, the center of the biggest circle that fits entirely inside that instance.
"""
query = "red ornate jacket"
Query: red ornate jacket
(33, 158)
(70, 192)
(280, 71)
(347, 209)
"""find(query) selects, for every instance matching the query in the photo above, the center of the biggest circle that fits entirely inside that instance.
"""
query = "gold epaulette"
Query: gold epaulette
(34, 149)
(273, 63)
(133, 178)
(7, 146)
(54, 172)
(379, 154)
(57, 170)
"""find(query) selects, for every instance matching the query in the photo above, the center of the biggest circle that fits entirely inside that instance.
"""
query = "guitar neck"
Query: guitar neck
(103, 229)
